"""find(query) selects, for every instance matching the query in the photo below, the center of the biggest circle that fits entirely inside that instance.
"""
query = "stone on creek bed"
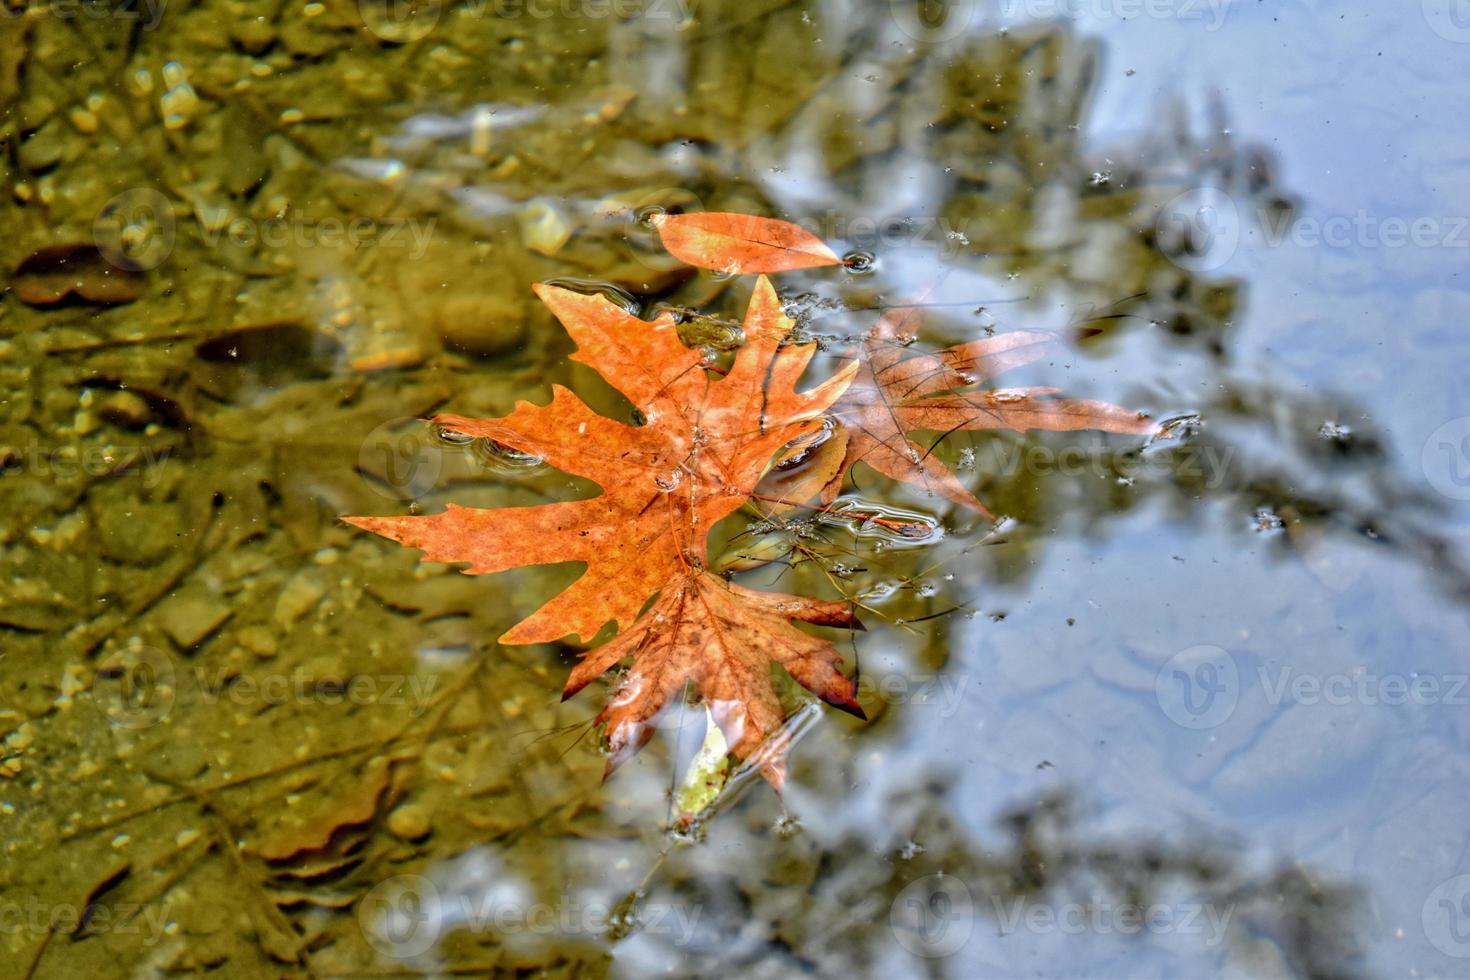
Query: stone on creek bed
(192, 615)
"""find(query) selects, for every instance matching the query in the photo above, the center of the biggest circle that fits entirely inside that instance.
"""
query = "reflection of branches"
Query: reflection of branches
(1046, 860)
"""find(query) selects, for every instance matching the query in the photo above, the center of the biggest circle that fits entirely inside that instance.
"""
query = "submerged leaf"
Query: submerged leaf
(894, 396)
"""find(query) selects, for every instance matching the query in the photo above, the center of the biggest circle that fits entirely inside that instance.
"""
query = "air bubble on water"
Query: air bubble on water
(786, 826)
(927, 590)
(644, 216)
(669, 483)
(1334, 431)
(452, 438)
(910, 850)
(1007, 396)
(860, 263)
(1181, 427)
(1101, 177)
(498, 455)
(801, 447)
(612, 292)
(1267, 520)
(879, 591)
(966, 460)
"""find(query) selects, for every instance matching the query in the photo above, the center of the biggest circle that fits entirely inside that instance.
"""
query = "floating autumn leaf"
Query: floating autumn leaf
(704, 445)
(741, 243)
(894, 396)
(723, 639)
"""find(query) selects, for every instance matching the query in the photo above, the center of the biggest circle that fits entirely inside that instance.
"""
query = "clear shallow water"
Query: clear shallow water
(1220, 680)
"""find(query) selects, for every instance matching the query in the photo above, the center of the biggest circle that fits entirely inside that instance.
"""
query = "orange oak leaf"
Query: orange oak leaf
(703, 447)
(895, 395)
(741, 243)
(723, 639)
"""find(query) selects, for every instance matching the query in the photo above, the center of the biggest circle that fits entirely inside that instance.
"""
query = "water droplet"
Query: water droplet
(669, 483)
(860, 263)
